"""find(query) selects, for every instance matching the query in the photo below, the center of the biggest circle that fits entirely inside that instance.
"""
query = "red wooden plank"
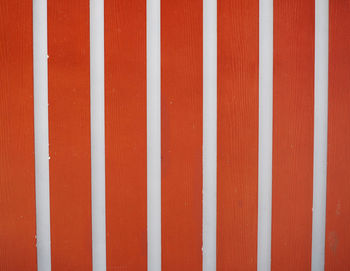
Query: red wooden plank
(293, 108)
(69, 134)
(338, 171)
(237, 138)
(181, 131)
(17, 183)
(126, 134)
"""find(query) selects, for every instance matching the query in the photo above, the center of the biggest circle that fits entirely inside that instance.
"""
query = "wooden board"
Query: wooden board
(237, 138)
(181, 131)
(292, 169)
(126, 138)
(338, 170)
(69, 134)
(17, 182)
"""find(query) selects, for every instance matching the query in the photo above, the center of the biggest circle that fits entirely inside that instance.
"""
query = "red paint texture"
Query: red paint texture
(293, 107)
(69, 134)
(17, 181)
(338, 170)
(237, 143)
(181, 131)
(126, 134)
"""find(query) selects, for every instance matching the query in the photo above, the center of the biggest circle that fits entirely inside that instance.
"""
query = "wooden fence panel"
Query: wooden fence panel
(126, 141)
(292, 168)
(69, 134)
(237, 143)
(181, 131)
(17, 183)
(338, 170)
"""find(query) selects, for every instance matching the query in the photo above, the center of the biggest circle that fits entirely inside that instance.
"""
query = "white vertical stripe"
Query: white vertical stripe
(98, 208)
(153, 137)
(209, 133)
(41, 134)
(265, 133)
(320, 135)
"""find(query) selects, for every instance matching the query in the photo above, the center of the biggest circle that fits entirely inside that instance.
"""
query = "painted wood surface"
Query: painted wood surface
(181, 131)
(237, 138)
(338, 170)
(292, 169)
(17, 182)
(69, 134)
(126, 142)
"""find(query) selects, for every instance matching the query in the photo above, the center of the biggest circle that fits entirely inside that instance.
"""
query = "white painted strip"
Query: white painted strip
(209, 132)
(265, 133)
(153, 137)
(320, 135)
(98, 207)
(41, 135)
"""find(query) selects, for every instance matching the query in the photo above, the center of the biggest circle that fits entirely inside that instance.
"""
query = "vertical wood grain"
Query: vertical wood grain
(292, 170)
(338, 170)
(17, 184)
(126, 142)
(69, 134)
(181, 131)
(237, 155)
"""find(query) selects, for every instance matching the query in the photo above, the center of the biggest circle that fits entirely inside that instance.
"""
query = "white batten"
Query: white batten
(320, 135)
(265, 133)
(98, 207)
(41, 135)
(153, 137)
(209, 133)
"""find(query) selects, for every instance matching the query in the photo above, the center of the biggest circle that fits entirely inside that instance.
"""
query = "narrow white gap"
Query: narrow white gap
(320, 135)
(265, 133)
(209, 133)
(153, 137)
(98, 207)
(41, 135)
